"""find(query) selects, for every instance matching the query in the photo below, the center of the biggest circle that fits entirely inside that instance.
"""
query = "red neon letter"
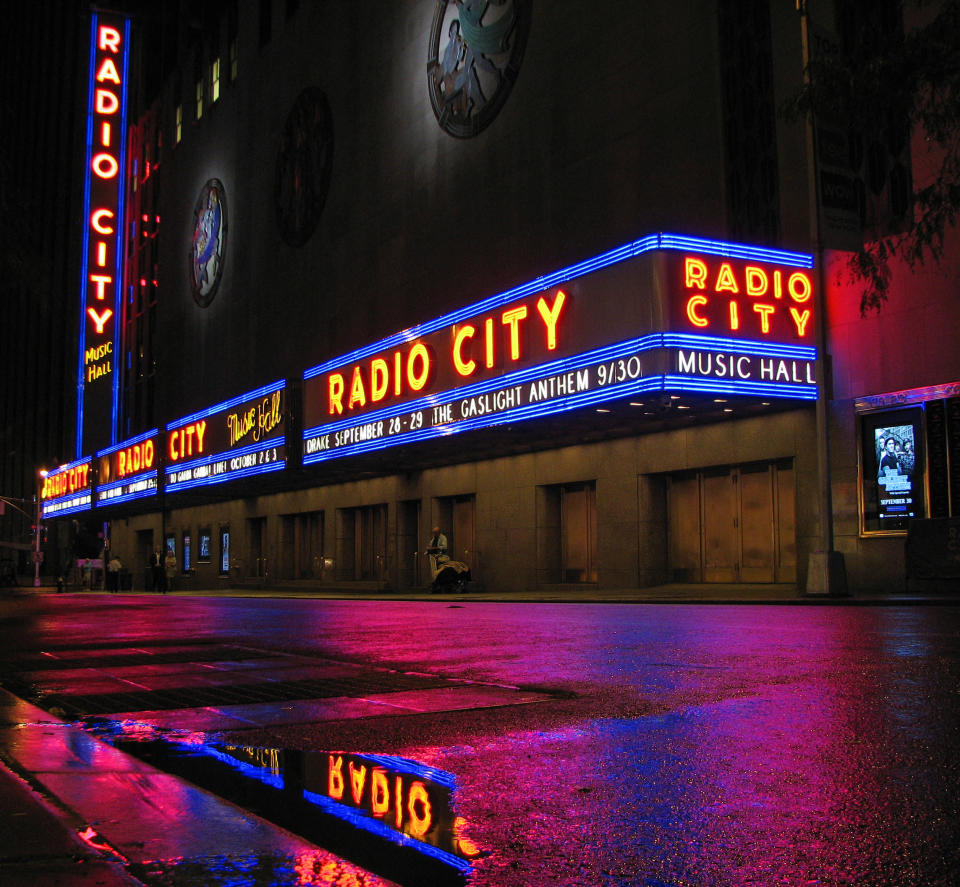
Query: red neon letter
(488, 330)
(101, 281)
(764, 311)
(99, 319)
(109, 38)
(357, 780)
(106, 102)
(550, 316)
(105, 165)
(108, 71)
(693, 303)
(734, 316)
(464, 367)
(97, 225)
(512, 319)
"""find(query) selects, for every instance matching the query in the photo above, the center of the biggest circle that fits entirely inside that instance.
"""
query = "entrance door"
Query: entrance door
(257, 563)
(370, 542)
(309, 545)
(409, 544)
(733, 524)
(719, 526)
(578, 533)
(461, 539)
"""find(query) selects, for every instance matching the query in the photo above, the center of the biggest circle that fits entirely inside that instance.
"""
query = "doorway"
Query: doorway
(733, 524)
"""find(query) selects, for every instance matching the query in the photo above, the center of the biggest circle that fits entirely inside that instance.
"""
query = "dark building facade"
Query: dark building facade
(544, 275)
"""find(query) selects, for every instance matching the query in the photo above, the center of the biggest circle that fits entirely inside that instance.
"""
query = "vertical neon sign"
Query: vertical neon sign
(98, 382)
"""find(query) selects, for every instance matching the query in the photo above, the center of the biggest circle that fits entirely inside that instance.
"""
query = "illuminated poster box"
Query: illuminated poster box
(662, 314)
(67, 489)
(238, 438)
(128, 470)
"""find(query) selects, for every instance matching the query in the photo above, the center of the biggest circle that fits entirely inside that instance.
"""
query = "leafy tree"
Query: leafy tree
(897, 66)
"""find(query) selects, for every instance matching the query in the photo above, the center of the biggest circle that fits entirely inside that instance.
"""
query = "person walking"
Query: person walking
(169, 569)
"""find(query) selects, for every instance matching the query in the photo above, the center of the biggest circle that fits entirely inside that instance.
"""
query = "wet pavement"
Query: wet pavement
(532, 743)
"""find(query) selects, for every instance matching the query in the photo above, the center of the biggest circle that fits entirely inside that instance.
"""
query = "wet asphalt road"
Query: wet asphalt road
(680, 745)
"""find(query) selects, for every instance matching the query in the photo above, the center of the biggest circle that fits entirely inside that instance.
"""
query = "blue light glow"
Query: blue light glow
(132, 442)
(206, 461)
(578, 400)
(228, 404)
(614, 256)
(361, 820)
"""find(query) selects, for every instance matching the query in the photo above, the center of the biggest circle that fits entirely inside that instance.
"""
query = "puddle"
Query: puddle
(387, 814)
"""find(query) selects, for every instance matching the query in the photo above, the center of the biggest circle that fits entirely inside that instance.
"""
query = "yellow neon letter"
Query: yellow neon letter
(418, 806)
(725, 280)
(358, 778)
(335, 777)
(800, 319)
(695, 274)
(379, 792)
(693, 303)
(357, 393)
(512, 319)
(757, 281)
(335, 394)
(418, 352)
(550, 316)
(464, 367)
(764, 311)
(379, 378)
(805, 289)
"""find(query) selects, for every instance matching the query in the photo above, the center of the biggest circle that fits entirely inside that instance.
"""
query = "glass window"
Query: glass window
(200, 98)
(214, 80)
(187, 553)
(204, 555)
(179, 124)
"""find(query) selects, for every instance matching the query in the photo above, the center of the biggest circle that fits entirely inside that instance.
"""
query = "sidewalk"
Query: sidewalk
(78, 812)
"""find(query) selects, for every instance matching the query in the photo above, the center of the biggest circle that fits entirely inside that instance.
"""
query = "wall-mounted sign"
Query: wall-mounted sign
(128, 470)
(67, 489)
(102, 256)
(662, 314)
(237, 438)
(476, 48)
(209, 244)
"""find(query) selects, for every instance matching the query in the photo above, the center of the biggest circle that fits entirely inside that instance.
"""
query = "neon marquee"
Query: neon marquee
(128, 470)
(238, 438)
(67, 489)
(700, 316)
(102, 256)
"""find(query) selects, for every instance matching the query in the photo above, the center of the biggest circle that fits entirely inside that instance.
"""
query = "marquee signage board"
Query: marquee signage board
(128, 470)
(67, 489)
(237, 438)
(101, 281)
(662, 314)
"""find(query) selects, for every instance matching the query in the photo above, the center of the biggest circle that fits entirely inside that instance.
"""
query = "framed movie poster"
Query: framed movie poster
(891, 470)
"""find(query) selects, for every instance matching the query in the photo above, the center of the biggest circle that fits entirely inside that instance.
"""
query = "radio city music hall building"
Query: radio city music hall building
(541, 274)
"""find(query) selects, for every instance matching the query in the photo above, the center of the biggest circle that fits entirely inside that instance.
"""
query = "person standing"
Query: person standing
(169, 568)
(158, 571)
(114, 566)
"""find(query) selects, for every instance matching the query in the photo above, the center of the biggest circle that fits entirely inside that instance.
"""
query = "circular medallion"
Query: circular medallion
(304, 162)
(476, 47)
(209, 242)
